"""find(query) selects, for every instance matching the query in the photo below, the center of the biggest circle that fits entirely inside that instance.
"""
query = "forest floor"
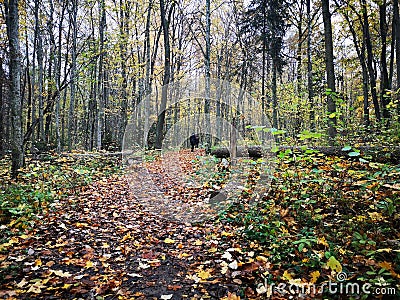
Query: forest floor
(108, 234)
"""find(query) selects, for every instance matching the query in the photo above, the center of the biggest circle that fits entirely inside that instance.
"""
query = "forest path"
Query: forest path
(104, 244)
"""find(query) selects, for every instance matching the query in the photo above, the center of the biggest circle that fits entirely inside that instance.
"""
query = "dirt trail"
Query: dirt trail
(105, 243)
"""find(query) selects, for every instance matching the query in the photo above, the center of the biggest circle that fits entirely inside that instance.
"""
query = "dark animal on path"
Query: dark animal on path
(194, 141)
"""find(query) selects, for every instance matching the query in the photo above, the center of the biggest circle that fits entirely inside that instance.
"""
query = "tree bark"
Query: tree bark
(39, 52)
(361, 57)
(2, 125)
(208, 75)
(396, 28)
(371, 72)
(71, 112)
(101, 77)
(330, 71)
(148, 77)
(166, 78)
(385, 99)
(12, 22)
(309, 68)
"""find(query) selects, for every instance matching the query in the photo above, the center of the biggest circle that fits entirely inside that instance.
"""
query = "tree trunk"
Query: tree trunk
(148, 77)
(15, 86)
(274, 95)
(396, 27)
(166, 78)
(309, 68)
(57, 76)
(207, 75)
(2, 113)
(101, 77)
(361, 58)
(371, 72)
(71, 112)
(39, 52)
(330, 71)
(385, 99)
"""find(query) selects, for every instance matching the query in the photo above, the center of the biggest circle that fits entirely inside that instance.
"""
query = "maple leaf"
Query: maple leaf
(286, 275)
(204, 274)
(334, 264)
(198, 243)
(314, 276)
(89, 264)
(323, 241)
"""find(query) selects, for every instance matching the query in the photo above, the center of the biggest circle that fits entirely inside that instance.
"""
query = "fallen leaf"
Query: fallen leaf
(203, 274)
(334, 264)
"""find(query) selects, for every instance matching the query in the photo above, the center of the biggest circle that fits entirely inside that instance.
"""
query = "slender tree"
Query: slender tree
(385, 87)
(165, 19)
(71, 113)
(310, 87)
(370, 59)
(396, 29)
(12, 21)
(330, 71)
(101, 76)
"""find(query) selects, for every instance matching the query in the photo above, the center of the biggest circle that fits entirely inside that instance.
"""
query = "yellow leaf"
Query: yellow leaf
(323, 241)
(334, 264)
(386, 265)
(262, 259)
(314, 276)
(127, 236)
(89, 264)
(203, 274)
(388, 250)
(38, 262)
(376, 216)
(226, 233)
(286, 275)
(66, 286)
(213, 250)
(169, 241)
(198, 243)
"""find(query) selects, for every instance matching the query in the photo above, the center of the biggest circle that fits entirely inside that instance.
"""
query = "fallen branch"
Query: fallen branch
(376, 154)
